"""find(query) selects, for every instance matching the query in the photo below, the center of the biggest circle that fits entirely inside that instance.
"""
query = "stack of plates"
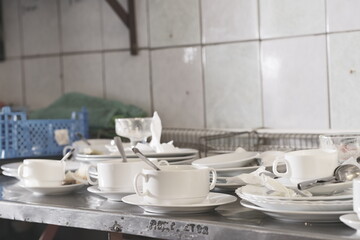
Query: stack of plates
(230, 164)
(327, 208)
(104, 151)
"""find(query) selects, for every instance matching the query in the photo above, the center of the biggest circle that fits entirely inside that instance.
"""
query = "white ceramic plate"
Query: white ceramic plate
(247, 192)
(213, 200)
(10, 174)
(109, 195)
(290, 205)
(298, 216)
(351, 220)
(182, 152)
(230, 160)
(222, 185)
(326, 189)
(61, 190)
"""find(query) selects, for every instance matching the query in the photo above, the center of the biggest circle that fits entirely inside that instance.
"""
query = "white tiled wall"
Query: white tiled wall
(202, 63)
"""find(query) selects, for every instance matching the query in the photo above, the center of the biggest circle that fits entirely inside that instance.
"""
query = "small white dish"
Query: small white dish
(298, 216)
(325, 189)
(251, 192)
(210, 203)
(10, 174)
(352, 221)
(230, 160)
(181, 152)
(223, 186)
(61, 190)
(109, 195)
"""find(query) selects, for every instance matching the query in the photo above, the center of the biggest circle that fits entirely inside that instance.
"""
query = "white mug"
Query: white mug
(175, 184)
(306, 165)
(116, 175)
(42, 172)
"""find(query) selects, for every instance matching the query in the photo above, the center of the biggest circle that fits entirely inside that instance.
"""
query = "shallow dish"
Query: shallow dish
(352, 221)
(109, 195)
(230, 160)
(213, 200)
(61, 190)
(298, 216)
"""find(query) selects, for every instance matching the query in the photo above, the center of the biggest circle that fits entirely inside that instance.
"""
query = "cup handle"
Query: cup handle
(275, 165)
(214, 178)
(21, 171)
(136, 179)
(88, 175)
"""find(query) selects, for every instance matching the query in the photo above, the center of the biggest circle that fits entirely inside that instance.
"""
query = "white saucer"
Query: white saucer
(109, 195)
(61, 190)
(213, 200)
(229, 160)
(299, 216)
(351, 220)
(222, 185)
(326, 189)
(10, 174)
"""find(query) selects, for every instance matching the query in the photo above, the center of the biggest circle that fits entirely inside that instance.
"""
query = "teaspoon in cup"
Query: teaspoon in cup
(120, 147)
(146, 160)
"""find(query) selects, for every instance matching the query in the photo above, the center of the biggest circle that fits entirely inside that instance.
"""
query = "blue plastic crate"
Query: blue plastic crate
(21, 137)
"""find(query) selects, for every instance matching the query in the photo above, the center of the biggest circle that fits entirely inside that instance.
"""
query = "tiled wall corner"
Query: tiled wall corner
(42, 81)
(81, 25)
(40, 26)
(83, 73)
(295, 88)
(177, 87)
(174, 23)
(233, 86)
(239, 23)
(12, 39)
(343, 15)
(11, 90)
(116, 34)
(127, 79)
(281, 18)
(344, 80)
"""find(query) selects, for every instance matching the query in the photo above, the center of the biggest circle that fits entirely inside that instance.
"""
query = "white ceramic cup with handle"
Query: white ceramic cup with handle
(116, 175)
(175, 184)
(42, 172)
(306, 165)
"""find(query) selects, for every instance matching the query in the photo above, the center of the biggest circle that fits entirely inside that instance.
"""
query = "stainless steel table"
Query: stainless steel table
(86, 210)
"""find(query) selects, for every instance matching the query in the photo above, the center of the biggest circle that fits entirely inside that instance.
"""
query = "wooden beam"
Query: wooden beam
(129, 19)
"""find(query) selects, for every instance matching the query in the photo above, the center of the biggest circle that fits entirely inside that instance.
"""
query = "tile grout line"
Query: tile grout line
(203, 64)
(327, 51)
(152, 105)
(261, 76)
(22, 63)
(61, 57)
(103, 64)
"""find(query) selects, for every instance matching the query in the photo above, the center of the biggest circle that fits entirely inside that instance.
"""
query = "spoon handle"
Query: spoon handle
(314, 182)
(120, 147)
(140, 155)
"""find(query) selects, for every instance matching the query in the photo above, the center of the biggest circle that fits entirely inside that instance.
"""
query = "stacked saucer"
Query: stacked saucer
(325, 208)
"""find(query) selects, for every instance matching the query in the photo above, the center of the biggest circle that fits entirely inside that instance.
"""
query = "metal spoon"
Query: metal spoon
(120, 147)
(342, 173)
(67, 155)
(140, 155)
(82, 138)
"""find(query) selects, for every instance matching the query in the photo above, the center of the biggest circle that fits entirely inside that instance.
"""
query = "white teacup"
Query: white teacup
(175, 184)
(42, 172)
(356, 196)
(305, 165)
(116, 175)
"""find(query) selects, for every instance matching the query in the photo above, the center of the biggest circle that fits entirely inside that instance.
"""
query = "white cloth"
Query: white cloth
(261, 181)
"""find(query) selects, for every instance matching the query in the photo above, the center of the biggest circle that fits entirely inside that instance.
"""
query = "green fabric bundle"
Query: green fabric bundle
(102, 112)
